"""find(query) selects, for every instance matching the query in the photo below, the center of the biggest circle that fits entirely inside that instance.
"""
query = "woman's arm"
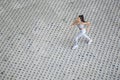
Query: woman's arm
(88, 26)
(73, 24)
(87, 23)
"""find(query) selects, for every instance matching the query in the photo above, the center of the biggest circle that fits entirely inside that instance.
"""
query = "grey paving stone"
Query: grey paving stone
(36, 41)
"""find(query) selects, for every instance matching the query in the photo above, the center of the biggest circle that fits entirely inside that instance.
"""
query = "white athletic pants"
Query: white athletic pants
(82, 33)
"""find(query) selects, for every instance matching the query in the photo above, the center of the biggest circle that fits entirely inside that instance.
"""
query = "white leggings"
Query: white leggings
(81, 34)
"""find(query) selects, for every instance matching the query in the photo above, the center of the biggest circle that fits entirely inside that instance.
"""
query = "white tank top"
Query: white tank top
(80, 26)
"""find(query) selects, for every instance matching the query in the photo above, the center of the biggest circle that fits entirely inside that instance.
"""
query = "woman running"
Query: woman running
(81, 23)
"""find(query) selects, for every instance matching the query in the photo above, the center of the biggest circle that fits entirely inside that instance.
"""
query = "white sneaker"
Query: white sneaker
(75, 47)
(90, 41)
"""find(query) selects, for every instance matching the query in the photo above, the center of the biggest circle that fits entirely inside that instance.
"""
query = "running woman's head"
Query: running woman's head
(81, 18)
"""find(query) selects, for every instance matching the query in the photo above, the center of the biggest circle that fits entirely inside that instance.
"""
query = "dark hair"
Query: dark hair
(81, 18)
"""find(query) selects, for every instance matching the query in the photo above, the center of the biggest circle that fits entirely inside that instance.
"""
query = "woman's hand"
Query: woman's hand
(88, 29)
(71, 26)
(88, 24)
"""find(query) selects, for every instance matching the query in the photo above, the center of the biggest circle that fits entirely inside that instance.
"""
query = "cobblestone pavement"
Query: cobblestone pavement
(36, 41)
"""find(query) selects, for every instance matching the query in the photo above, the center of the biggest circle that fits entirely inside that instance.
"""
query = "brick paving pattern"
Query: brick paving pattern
(36, 41)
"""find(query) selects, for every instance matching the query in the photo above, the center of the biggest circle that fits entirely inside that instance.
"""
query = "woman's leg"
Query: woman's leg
(76, 40)
(86, 36)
